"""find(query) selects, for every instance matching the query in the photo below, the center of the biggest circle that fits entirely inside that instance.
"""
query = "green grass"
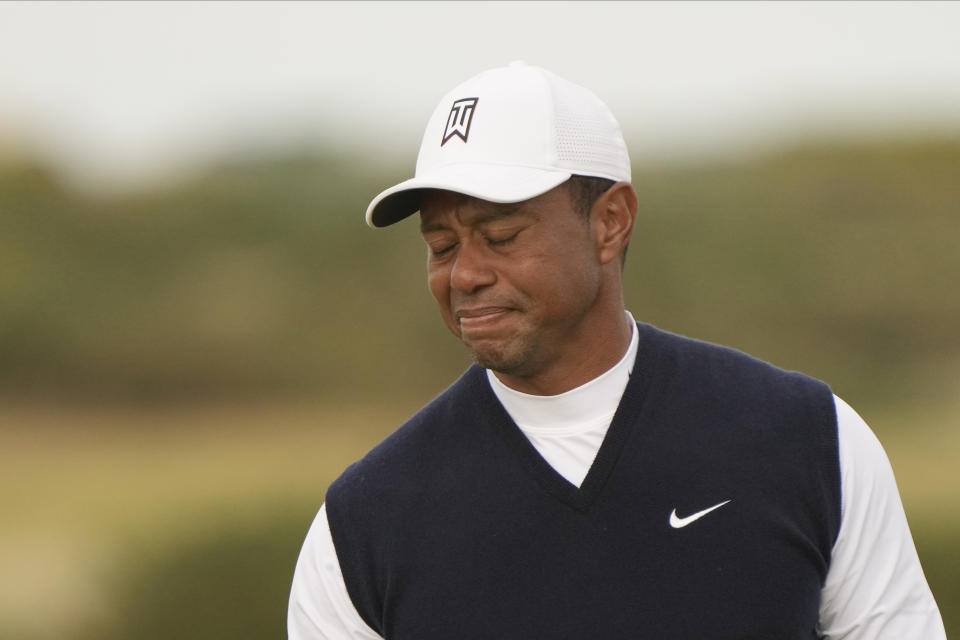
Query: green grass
(937, 547)
(96, 498)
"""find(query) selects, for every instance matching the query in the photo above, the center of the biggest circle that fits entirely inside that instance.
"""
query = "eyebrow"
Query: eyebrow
(497, 211)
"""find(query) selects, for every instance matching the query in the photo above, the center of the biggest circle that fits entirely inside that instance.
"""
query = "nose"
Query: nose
(471, 270)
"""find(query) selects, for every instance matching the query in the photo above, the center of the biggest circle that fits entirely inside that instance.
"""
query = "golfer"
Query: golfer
(591, 476)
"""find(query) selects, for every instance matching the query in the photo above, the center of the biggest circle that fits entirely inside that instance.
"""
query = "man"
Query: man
(590, 476)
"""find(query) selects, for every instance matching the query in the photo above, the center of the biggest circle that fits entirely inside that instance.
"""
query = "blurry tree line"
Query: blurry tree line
(259, 279)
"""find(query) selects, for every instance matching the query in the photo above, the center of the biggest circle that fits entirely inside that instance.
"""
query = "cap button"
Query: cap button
(518, 63)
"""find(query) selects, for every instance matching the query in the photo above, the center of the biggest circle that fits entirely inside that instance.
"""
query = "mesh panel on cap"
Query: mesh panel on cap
(588, 142)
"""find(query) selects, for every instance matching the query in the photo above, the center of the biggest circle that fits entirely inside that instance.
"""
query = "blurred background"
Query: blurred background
(198, 332)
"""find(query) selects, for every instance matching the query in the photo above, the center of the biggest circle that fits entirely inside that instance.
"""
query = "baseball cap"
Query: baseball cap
(507, 135)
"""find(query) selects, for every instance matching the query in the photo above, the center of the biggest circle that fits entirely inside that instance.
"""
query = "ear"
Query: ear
(612, 218)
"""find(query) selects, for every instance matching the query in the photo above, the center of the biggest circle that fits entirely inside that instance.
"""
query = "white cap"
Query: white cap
(507, 135)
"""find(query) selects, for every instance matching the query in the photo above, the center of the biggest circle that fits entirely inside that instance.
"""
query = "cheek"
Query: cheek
(438, 281)
(566, 285)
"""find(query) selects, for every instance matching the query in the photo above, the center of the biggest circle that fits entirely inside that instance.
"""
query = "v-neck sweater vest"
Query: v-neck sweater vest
(455, 527)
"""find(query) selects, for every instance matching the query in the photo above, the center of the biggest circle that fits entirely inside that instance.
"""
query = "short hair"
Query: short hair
(584, 191)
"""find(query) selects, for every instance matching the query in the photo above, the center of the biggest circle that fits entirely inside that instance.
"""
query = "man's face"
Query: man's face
(514, 282)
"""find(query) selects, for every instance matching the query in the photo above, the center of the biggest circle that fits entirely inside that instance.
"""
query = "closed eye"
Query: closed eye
(501, 242)
(441, 251)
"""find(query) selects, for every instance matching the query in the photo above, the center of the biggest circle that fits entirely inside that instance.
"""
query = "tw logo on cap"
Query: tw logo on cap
(458, 122)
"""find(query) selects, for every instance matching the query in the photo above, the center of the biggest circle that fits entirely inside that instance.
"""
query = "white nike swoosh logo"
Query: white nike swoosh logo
(678, 523)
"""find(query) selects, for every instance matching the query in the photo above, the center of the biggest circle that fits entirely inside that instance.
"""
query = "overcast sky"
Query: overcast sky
(126, 91)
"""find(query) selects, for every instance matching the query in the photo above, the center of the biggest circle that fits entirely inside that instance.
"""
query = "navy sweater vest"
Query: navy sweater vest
(454, 527)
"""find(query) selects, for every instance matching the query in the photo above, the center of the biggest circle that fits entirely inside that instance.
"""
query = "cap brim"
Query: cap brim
(494, 183)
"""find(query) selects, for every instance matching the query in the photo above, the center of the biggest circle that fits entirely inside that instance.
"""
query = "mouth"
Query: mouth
(480, 318)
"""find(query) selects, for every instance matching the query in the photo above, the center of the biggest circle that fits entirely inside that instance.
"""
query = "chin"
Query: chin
(515, 362)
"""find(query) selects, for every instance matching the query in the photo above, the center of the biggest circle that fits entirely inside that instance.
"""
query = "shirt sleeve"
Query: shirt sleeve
(320, 608)
(875, 588)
